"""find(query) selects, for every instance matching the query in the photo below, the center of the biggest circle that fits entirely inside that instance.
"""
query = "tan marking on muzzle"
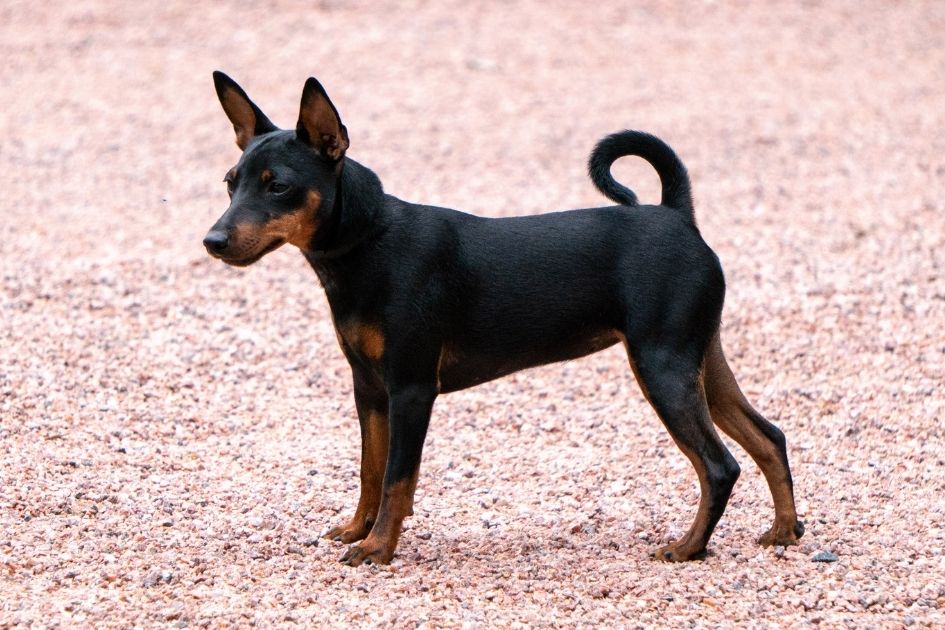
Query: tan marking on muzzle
(296, 227)
(246, 241)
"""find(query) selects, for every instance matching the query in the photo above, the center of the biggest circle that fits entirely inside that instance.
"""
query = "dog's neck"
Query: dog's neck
(356, 206)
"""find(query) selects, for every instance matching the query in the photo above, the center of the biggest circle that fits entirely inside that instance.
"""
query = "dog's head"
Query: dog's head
(284, 183)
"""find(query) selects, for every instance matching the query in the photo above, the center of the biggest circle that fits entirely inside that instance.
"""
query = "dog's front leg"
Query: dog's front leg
(372, 405)
(409, 417)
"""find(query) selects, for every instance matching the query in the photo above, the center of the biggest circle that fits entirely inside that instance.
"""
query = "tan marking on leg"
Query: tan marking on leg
(693, 543)
(372, 342)
(381, 543)
(412, 491)
(368, 339)
(732, 412)
(374, 442)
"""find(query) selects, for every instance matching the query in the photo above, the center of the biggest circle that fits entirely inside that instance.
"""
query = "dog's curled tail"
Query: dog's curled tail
(673, 175)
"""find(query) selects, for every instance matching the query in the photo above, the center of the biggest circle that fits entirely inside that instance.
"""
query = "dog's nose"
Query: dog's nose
(216, 241)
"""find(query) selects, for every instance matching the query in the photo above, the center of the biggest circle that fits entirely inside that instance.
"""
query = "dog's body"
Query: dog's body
(428, 300)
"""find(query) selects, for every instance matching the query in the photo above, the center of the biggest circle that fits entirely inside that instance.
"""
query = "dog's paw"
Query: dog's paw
(367, 553)
(679, 552)
(782, 535)
(353, 531)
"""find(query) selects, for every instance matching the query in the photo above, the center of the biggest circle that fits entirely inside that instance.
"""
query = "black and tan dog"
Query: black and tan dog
(427, 300)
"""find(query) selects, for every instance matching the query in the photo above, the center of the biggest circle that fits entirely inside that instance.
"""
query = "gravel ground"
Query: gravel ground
(176, 434)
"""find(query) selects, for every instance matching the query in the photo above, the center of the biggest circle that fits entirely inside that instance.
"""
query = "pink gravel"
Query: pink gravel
(176, 434)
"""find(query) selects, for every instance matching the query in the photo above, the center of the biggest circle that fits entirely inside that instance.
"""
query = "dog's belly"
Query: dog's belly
(465, 365)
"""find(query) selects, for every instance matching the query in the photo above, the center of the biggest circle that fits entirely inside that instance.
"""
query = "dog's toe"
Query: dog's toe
(783, 535)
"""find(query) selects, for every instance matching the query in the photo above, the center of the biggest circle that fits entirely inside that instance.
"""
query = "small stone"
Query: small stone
(156, 577)
(824, 556)
(173, 614)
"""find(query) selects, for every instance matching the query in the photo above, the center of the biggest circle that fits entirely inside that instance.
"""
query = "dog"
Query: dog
(427, 300)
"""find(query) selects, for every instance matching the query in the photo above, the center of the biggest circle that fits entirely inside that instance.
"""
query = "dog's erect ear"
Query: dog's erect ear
(248, 120)
(319, 124)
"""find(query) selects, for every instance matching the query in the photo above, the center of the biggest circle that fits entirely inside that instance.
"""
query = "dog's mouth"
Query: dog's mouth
(246, 261)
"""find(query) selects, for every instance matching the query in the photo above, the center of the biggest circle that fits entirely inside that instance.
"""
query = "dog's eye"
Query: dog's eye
(277, 188)
(230, 185)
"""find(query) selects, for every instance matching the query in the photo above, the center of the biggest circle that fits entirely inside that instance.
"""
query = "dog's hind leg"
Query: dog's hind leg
(762, 440)
(673, 386)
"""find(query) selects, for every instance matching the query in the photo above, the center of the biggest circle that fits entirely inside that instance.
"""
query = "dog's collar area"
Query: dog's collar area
(328, 254)
(353, 221)
(345, 244)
